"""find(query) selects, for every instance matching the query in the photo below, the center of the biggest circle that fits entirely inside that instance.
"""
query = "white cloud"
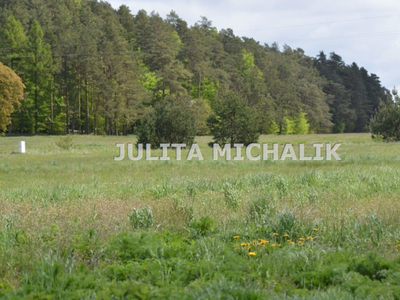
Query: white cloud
(359, 30)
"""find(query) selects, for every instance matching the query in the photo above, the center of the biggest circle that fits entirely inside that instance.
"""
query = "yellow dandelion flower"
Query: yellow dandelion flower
(390, 243)
(289, 241)
(300, 243)
(285, 235)
(292, 243)
(279, 245)
(310, 238)
(276, 234)
(243, 244)
(315, 229)
(235, 237)
(262, 241)
(252, 253)
(273, 245)
(301, 239)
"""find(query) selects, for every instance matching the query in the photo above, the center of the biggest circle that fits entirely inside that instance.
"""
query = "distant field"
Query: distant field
(75, 224)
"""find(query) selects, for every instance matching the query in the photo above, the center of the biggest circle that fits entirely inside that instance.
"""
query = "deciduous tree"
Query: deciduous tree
(11, 94)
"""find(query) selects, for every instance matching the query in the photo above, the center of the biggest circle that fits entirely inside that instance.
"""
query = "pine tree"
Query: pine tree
(233, 121)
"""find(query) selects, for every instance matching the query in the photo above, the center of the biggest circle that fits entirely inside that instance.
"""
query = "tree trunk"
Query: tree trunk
(67, 109)
(79, 106)
(36, 104)
(73, 116)
(87, 106)
(51, 106)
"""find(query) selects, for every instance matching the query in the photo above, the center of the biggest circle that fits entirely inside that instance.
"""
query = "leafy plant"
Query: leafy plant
(142, 218)
(203, 226)
(65, 142)
(231, 195)
(171, 121)
(233, 121)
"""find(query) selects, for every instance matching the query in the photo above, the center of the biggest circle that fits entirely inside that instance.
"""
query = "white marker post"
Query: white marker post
(21, 147)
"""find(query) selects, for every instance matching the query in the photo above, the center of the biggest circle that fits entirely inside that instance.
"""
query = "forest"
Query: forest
(91, 69)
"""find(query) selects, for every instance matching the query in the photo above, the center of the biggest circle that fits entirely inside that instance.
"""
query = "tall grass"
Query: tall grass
(74, 223)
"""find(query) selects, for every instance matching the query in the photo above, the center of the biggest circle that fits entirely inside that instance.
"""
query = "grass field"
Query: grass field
(75, 224)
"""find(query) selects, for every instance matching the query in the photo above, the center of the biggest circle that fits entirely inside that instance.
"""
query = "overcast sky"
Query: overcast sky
(363, 31)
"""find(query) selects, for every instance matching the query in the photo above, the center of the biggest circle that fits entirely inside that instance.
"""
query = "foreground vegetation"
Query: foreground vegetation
(75, 224)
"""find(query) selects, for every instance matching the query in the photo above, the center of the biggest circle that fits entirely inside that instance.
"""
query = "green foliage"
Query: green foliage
(202, 226)
(270, 127)
(201, 110)
(297, 125)
(171, 121)
(302, 126)
(72, 239)
(38, 76)
(233, 121)
(372, 265)
(142, 218)
(138, 59)
(66, 142)
(386, 123)
(289, 127)
(339, 127)
(231, 195)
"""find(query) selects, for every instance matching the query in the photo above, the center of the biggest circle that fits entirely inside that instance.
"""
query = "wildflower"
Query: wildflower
(262, 241)
(289, 241)
(273, 245)
(286, 235)
(279, 245)
(390, 243)
(310, 238)
(301, 239)
(252, 253)
(315, 229)
(292, 243)
(300, 243)
(276, 234)
(243, 244)
(236, 237)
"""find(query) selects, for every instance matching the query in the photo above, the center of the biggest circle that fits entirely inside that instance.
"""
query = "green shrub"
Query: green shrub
(372, 266)
(386, 122)
(231, 195)
(142, 218)
(171, 121)
(65, 142)
(233, 121)
(203, 226)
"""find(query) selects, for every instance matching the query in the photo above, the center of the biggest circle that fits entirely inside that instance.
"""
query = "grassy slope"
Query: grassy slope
(67, 212)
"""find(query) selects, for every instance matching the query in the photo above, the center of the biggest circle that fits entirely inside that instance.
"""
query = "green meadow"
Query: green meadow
(75, 224)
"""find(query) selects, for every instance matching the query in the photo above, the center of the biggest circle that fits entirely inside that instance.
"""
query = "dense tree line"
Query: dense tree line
(89, 68)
